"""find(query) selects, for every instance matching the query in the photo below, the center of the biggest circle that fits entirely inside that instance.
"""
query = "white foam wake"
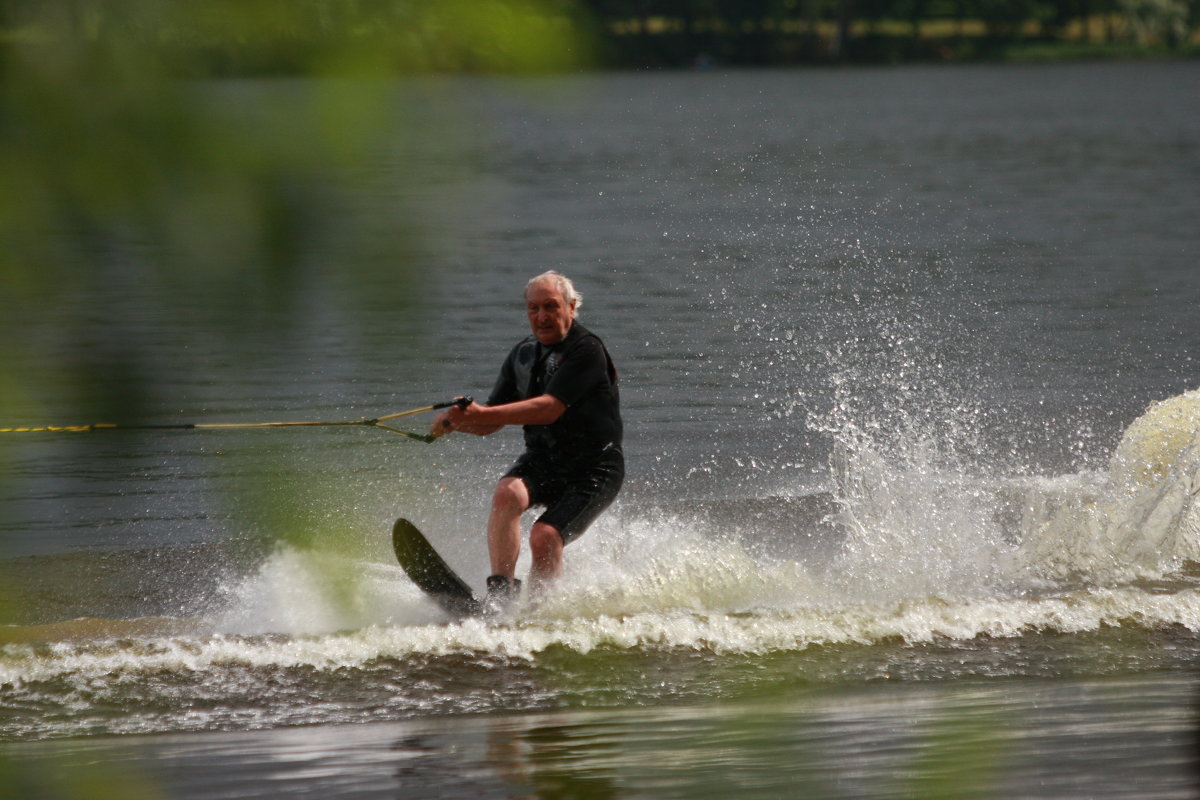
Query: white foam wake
(919, 620)
(1141, 519)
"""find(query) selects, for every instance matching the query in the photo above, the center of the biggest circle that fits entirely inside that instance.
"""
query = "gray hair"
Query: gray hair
(562, 283)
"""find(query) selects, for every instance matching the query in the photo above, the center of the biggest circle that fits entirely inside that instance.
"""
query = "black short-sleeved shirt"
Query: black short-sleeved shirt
(579, 372)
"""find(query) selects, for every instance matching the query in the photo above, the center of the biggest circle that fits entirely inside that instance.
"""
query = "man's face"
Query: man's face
(550, 316)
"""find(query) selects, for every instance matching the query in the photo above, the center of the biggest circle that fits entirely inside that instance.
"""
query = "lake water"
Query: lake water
(898, 521)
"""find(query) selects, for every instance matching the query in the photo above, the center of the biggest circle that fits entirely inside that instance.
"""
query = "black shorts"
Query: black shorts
(573, 497)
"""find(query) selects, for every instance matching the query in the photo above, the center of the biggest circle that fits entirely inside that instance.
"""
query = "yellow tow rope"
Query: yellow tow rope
(462, 402)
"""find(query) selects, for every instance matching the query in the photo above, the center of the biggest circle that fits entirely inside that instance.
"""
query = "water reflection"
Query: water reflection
(1022, 738)
(557, 757)
(544, 756)
(1039, 740)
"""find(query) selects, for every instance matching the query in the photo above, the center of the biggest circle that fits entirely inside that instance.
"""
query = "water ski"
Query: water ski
(430, 572)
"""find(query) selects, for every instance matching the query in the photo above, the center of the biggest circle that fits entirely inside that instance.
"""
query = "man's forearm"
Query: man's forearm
(541, 410)
(483, 420)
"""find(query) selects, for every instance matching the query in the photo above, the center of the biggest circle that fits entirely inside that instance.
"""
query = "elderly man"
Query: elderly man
(561, 385)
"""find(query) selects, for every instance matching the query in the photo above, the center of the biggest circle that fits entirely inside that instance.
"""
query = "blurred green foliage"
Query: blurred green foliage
(51, 777)
(217, 163)
(961, 755)
(105, 135)
(125, 163)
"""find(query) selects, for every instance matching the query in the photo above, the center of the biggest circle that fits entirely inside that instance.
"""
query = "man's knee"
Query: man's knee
(544, 539)
(510, 495)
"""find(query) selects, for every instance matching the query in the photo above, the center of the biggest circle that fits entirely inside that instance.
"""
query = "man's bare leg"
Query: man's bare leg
(509, 501)
(547, 546)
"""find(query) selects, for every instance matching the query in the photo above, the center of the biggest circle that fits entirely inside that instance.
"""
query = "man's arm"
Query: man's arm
(483, 420)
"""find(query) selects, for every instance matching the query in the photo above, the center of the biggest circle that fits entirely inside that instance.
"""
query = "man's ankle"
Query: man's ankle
(502, 589)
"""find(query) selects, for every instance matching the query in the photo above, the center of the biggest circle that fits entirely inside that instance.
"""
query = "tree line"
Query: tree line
(683, 32)
(289, 36)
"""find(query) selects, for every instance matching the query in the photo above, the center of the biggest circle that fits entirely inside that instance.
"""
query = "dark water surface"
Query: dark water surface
(909, 376)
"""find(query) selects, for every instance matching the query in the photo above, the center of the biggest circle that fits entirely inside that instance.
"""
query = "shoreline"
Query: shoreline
(898, 51)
